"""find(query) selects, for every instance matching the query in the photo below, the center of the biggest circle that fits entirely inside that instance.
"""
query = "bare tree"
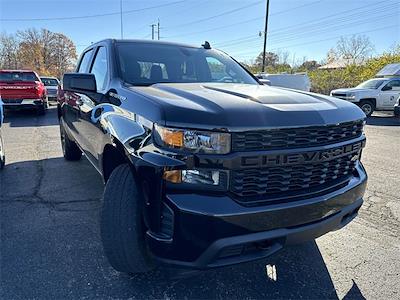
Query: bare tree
(356, 48)
(331, 56)
(283, 57)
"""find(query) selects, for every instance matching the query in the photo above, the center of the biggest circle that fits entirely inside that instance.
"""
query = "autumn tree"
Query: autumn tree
(44, 51)
(8, 51)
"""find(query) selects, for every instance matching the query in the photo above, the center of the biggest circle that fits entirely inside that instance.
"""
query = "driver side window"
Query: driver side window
(392, 85)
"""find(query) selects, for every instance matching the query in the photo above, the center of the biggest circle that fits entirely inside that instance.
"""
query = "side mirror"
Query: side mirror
(79, 82)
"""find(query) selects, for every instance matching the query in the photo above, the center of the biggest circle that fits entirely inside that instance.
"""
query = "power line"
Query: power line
(219, 15)
(327, 39)
(311, 24)
(93, 16)
(315, 31)
(243, 22)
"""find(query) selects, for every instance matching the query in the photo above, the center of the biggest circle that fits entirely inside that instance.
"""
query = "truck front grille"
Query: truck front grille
(274, 183)
(340, 95)
(288, 138)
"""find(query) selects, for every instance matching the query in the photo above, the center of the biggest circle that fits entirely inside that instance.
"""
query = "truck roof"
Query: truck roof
(142, 42)
(392, 70)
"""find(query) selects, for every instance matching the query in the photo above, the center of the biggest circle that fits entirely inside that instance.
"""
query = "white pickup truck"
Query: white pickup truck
(373, 94)
(380, 93)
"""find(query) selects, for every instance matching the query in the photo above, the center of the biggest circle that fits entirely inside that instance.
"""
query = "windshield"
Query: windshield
(371, 84)
(148, 63)
(18, 76)
(49, 81)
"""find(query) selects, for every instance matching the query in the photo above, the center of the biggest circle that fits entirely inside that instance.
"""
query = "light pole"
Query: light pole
(265, 35)
(158, 29)
(152, 30)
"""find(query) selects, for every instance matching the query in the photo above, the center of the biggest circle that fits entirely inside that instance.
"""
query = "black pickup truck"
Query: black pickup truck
(203, 165)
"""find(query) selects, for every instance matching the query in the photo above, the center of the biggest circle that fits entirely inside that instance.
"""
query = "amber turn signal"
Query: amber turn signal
(174, 176)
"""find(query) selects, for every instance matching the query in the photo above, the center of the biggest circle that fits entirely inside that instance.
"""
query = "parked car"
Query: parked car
(379, 93)
(52, 84)
(22, 89)
(203, 166)
(299, 81)
(397, 107)
(2, 152)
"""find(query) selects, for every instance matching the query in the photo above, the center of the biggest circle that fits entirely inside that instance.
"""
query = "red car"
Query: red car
(23, 89)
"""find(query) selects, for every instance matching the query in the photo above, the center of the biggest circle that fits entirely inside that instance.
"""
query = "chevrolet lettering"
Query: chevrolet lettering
(306, 157)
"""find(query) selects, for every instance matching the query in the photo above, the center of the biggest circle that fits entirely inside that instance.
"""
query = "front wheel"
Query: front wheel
(367, 107)
(69, 148)
(122, 225)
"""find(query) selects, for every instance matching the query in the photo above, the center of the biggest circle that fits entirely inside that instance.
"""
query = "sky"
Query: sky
(305, 29)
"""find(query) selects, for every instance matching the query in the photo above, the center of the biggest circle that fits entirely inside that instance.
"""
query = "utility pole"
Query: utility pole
(265, 35)
(120, 13)
(158, 29)
(152, 30)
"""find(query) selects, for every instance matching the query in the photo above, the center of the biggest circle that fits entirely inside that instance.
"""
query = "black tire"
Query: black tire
(2, 154)
(41, 110)
(122, 225)
(367, 107)
(70, 150)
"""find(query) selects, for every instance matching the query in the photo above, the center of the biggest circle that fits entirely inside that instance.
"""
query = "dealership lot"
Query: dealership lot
(50, 246)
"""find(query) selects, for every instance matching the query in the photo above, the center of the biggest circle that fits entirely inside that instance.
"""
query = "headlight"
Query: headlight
(351, 95)
(209, 177)
(193, 140)
(200, 179)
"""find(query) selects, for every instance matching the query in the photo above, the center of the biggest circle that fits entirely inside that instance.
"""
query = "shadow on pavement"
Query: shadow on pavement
(29, 117)
(383, 120)
(354, 293)
(51, 248)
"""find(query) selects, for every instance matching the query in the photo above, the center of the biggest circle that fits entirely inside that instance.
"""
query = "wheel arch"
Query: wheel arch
(373, 100)
(113, 156)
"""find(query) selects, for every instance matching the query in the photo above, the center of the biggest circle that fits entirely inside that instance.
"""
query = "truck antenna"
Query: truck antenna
(206, 45)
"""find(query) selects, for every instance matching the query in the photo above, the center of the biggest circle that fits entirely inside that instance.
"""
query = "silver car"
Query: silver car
(51, 84)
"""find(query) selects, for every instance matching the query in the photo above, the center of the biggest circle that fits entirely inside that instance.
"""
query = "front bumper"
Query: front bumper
(212, 231)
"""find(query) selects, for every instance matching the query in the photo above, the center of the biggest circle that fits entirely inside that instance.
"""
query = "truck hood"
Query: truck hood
(353, 90)
(233, 107)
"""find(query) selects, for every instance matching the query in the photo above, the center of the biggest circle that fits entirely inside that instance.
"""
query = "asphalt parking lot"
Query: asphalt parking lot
(50, 242)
